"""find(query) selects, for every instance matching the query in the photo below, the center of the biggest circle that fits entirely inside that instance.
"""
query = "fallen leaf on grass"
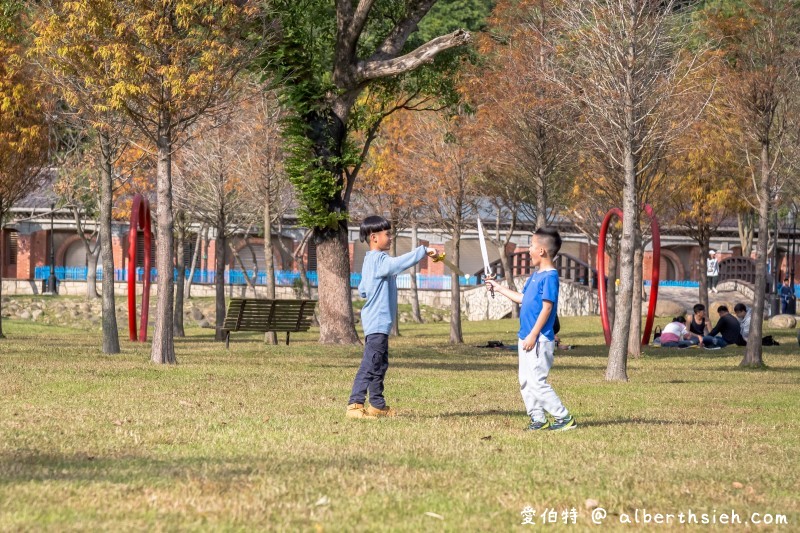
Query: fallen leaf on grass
(737, 485)
(591, 504)
(323, 501)
(487, 437)
(186, 404)
(434, 515)
(118, 422)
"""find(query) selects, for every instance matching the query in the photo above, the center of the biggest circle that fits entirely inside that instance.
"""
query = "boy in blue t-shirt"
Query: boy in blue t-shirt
(379, 286)
(539, 301)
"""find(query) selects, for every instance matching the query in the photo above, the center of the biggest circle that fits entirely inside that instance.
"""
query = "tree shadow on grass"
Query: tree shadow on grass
(628, 422)
(31, 466)
(467, 414)
(581, 423)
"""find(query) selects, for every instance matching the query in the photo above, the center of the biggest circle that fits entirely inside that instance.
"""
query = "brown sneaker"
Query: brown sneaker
(386, 411)
(356, 410)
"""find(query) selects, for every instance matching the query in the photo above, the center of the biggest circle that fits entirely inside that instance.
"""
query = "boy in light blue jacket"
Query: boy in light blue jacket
(379, 286)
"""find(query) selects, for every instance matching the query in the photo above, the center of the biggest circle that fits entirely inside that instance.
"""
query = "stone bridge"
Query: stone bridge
(574, 299)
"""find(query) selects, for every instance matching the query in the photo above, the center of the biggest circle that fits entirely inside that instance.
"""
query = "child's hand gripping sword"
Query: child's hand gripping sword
(487, 271)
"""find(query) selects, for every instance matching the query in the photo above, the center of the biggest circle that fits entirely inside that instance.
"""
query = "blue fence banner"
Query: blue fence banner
(283, 278)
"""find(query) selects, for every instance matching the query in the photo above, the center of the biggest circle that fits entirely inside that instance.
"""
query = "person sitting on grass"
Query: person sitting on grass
(698, 324)
(379, 286)
(726, 332)
(537, 316)
(743, 314)
(675, 335)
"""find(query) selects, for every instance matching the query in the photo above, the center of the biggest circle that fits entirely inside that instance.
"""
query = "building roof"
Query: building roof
(44, 196)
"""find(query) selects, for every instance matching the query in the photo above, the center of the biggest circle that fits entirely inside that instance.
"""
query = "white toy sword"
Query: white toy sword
(487, 271)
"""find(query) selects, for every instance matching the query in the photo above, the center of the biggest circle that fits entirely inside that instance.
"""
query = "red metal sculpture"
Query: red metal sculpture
(654, 278)
(140, 219)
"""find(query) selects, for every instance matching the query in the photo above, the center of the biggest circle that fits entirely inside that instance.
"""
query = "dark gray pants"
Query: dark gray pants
(372, 371)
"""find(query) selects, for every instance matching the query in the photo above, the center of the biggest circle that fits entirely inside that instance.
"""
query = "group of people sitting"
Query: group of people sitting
(729, 329)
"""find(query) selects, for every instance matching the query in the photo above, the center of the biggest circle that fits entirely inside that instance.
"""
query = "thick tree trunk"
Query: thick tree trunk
(180, 282)
(163, 349)
(220, 246)
(635, 335)
(270, 337)
(753, 356)
(109, 310)
(337, 325)
(92, 257)
(456, 336)
(618, 352)
(415, 311)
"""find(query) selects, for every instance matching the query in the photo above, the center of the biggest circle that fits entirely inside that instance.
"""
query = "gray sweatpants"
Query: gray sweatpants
(538, 395)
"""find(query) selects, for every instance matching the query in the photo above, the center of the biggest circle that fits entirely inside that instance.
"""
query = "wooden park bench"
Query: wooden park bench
(247, 314)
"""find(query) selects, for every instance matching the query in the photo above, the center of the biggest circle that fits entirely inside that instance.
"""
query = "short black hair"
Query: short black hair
(550, 239)
(373, 224)
(698, 307)
(681, 319)
(739, 307)
(722, 309)
(785, 279)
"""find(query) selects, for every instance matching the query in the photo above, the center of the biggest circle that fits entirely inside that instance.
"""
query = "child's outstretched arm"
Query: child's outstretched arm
(514, 296)
(391, 266)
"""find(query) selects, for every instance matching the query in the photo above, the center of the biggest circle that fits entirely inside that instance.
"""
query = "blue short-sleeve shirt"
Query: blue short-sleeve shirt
(542, 285)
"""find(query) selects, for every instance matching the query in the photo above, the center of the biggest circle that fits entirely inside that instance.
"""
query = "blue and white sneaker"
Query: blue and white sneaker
(536, 425)
(563, 424)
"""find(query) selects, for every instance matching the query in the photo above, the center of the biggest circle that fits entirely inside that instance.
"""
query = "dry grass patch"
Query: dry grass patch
(255, 437)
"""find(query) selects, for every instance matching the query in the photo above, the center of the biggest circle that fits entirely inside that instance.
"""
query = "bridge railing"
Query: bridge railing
(569, 267)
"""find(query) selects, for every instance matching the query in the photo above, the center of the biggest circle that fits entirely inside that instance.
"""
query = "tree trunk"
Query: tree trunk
(249, 281)
(301, 266)
(270, 337)
(395, 331)
(618, 352)
(456, 336)
(163, 349)
(509, 275)
(91, 272)
(703, 290)
(635, 335)
(2, 267)
(337, 325)
(109, 310)
(220, 246)
(180, 282)
(745, 224)
(415, 311)
(541, 204)
(752, 356)
(195, 256)
(611, 283)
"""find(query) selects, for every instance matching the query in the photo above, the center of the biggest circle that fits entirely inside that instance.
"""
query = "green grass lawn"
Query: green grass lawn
(255, 438)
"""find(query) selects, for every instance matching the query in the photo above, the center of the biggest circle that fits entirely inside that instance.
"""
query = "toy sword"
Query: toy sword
(442, 258)
(487, 271)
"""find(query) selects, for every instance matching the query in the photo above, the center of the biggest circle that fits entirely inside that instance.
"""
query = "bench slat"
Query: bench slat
(245, 314)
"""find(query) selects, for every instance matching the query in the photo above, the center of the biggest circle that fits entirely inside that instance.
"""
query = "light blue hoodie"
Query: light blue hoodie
(379, 286)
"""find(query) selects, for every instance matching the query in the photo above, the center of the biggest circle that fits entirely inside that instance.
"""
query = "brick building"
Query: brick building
(26, 241)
